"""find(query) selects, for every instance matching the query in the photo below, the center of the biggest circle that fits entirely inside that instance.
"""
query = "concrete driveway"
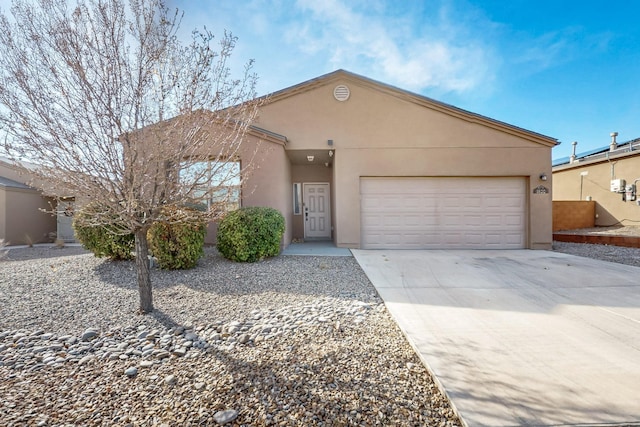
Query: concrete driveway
(520, 337)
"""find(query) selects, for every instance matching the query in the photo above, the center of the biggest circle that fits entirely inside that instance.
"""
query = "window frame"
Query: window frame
(297, 198)
(209, 189)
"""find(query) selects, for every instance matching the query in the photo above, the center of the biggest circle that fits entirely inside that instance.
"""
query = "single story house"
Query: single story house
(607, 176)
(368, 165)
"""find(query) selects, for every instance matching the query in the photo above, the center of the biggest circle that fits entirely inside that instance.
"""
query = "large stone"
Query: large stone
(131, 372)
(180, 351)
(226, 416)
(88, 335)
(86, 359)
(161, 354)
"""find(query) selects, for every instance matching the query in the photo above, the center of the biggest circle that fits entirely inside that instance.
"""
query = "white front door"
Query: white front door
(317, 212)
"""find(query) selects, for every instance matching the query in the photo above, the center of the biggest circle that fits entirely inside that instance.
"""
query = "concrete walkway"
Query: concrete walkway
(518, 338)
(318, 248)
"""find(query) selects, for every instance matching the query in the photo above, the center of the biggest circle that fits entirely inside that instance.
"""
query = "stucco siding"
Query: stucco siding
(24, 220)
(266, 175)
(569, 184)
(370, 118)
(384, 132)
(3, 214)
(10, 172)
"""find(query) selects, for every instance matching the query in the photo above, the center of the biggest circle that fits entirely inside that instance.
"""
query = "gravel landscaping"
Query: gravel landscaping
(619, 254)
(286, 341)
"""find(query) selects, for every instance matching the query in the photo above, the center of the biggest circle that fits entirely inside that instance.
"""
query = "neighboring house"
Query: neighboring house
(367, 165)
(22, 220)
(608, 176)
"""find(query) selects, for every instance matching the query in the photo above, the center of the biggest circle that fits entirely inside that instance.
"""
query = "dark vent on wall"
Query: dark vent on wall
(341, 93)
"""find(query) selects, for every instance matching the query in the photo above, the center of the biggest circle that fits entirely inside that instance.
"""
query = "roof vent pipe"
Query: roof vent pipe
(572, 159)
(614, 144)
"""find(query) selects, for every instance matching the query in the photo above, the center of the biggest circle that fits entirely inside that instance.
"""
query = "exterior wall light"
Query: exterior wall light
(310, 158)
(543, 177)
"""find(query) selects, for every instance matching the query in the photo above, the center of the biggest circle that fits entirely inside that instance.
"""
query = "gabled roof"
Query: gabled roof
(264, 133)
(623, 149)
(410, 97)
(9, 183)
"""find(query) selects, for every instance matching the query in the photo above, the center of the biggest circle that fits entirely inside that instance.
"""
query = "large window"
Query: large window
(213, 184)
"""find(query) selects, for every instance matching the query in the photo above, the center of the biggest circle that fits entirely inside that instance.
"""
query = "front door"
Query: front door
(317, 211)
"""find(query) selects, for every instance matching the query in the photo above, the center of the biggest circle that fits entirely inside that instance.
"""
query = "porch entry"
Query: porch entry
(317, 211)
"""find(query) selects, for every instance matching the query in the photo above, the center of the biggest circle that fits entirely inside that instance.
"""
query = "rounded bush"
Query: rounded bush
(177, 240)
(250, 234)
(106, 240)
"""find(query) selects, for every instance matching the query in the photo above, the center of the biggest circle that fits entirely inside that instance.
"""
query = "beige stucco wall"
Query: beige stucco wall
(3, 214)
(610, 209)
(380, 133)
(271, 170)
(22, 218)
(10, 172)
(266, 173)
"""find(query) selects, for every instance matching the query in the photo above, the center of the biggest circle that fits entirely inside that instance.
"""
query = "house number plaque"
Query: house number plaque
(541, 189)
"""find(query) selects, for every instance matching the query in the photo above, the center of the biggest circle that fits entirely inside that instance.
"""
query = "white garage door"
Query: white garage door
(443, 213)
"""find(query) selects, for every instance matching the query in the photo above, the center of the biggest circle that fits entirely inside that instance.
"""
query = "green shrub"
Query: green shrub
(250, 234)
(177, 241)
(105, 241)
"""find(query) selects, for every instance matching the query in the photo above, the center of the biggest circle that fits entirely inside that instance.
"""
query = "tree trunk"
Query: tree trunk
(142, 269)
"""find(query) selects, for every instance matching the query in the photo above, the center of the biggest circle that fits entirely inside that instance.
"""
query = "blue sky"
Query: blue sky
(568, 69)
(564, 68)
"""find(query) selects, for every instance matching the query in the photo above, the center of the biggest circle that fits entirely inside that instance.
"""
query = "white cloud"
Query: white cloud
(392, 47)
(558, 47)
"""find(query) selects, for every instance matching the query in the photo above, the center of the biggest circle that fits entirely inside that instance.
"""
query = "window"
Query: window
(213, 184)
(297, 198)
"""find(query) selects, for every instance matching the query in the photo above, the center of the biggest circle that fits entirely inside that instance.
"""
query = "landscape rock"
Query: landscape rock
(226, 416)
(293, 341)
(131, 372)
(88, 335)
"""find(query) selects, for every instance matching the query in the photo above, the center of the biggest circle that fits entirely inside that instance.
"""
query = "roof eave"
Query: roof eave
(414, 98)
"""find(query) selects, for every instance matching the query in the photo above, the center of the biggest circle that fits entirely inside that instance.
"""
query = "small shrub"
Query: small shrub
(177, 242)
(105, 241)
(250, 234)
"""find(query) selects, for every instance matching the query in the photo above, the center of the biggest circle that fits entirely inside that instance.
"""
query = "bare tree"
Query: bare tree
(105, 97)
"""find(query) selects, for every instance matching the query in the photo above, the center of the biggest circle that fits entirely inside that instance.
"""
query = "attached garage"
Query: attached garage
(404, 171)
(443, 213)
